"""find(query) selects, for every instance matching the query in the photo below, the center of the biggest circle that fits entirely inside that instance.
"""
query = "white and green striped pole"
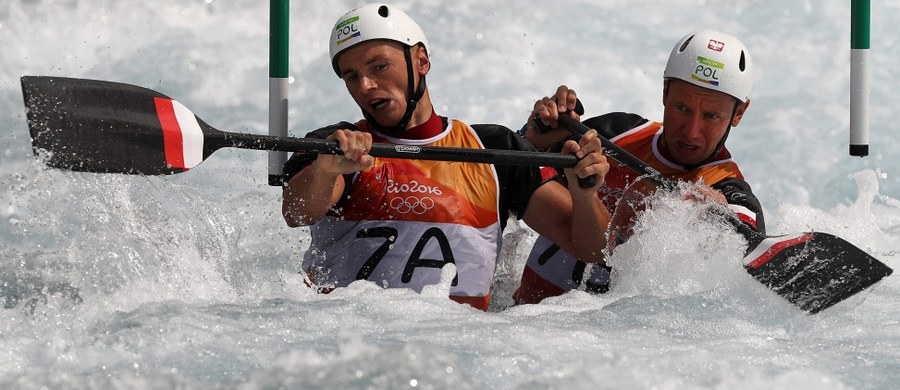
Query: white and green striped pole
(859, 77)
(279, 12)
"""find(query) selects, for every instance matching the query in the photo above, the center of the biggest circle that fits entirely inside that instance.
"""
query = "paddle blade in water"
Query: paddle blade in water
(813, 270)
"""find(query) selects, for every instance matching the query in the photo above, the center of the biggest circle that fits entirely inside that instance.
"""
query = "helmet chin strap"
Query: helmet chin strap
(415, 93)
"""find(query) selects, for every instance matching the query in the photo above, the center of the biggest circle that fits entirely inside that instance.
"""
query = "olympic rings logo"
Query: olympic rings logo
(412, 204)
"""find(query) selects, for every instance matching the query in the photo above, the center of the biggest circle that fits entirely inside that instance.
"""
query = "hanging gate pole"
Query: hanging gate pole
(860, 16)
(279, 12)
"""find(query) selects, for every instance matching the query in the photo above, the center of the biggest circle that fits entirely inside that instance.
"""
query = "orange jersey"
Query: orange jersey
(401, 221)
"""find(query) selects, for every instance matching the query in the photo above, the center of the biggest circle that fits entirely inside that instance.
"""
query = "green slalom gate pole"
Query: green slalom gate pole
(860, 15)
(279, 16)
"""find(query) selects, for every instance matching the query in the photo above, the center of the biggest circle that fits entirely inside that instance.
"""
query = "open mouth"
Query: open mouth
(379, 104)
(687, 148)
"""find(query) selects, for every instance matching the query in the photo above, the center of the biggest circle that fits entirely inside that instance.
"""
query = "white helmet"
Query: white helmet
(373, 21)
(713, 60)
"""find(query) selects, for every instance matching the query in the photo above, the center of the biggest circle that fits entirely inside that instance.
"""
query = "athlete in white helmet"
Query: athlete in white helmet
(382, 22)
(706, 88)
(398, 222)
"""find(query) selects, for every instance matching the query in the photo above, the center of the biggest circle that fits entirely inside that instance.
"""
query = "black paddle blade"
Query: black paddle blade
(106, 127)
(814, 270)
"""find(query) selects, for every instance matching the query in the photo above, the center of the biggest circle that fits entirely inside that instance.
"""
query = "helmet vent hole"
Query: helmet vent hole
(685, 44)
(742, 64)
(383, 11)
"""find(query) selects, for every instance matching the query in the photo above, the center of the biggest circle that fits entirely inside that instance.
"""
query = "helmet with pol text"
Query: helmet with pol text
(373, 21)
(712, 60)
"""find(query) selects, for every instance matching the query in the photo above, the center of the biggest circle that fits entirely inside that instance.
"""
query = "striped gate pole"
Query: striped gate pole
(279, 12)
(859, 77)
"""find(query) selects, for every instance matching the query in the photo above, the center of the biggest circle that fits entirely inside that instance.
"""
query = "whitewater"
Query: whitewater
(193, 280)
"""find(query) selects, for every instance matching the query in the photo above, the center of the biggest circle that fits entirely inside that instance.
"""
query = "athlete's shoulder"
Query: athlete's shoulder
(517, 182)
(324, 132)
(738, 193)
(495, 136)
(615, 123)
(735, 189)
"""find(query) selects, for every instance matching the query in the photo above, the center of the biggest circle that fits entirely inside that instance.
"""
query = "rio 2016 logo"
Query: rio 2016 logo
(414, 197)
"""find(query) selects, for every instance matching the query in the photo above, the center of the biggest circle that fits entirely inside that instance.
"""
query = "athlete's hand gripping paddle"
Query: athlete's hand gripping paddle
(583, 182)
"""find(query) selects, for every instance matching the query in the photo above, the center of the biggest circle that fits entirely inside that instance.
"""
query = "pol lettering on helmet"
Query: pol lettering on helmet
(347, 30)
(706, 71)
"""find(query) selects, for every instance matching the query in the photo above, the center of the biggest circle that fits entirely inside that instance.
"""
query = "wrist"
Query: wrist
(583, 197)
(325, 166)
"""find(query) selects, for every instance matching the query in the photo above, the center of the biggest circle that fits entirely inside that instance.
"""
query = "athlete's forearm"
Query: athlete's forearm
(590, 219)
(576, 224)
(309, 195)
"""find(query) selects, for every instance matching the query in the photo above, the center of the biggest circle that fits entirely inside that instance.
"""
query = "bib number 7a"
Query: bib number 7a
(415, 259)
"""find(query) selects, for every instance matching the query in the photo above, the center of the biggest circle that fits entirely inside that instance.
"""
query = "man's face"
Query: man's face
(695, 120)
(375, 74)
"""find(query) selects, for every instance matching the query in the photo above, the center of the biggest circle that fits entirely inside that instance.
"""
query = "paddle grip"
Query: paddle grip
(542, 128)
(584, 182)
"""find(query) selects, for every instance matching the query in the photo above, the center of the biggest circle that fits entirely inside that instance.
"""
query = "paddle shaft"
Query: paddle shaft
(312, 145)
